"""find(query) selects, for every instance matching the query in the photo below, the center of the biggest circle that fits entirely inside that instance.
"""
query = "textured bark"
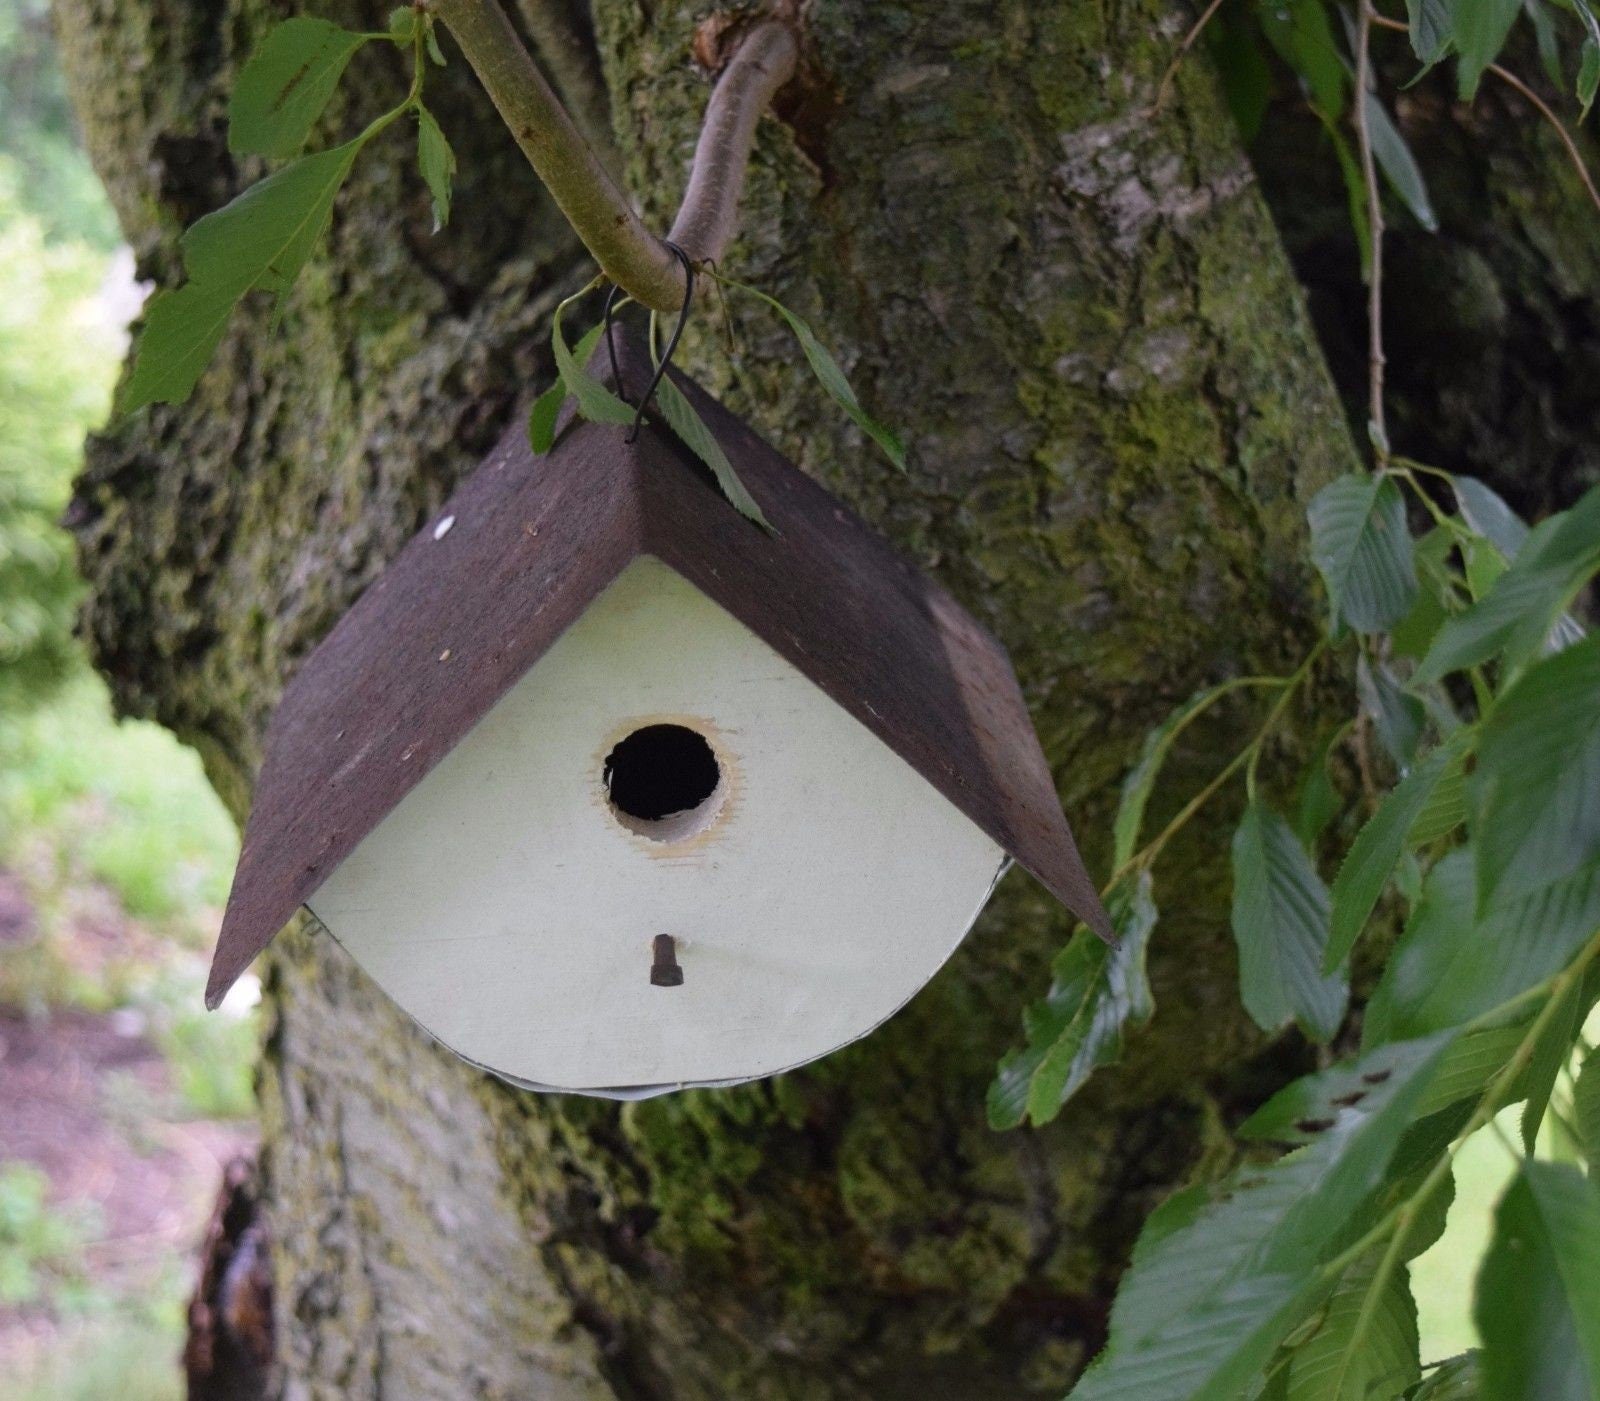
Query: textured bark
(1084, 320)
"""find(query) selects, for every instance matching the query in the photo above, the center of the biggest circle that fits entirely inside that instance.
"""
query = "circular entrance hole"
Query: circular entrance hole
(664, 782)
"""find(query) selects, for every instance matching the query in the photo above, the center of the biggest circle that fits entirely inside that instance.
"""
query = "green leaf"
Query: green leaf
(1446, 806)
(1414, 633)
(1376, 849)
(261, 240)
(1318, 803)
(1215, 1286)
(1432, 28)
(1487, 513)
(1362, 548)
(1238, 61)
(430, 38)
(402, 25)
(1399, 166)
(285, 86)
(1397, 716)
(547, 407)
(1551, 1051)
(595, 402)
(1480, 30)
(1097, 992)
(1365, 1348)
(1456, 1379)
(1537, 1305)
(1588, 76)
(1355, 192)
(1586, 1106)
(1527, 601)
(1537, 784)
(702, 442)
(1280, 922)
(542, 418)
(1451, 965)
(832, 378)
(1300, 32)
(1137, 786)
(438, 165)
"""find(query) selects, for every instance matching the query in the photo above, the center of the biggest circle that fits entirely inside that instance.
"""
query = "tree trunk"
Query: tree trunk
(1083, 319)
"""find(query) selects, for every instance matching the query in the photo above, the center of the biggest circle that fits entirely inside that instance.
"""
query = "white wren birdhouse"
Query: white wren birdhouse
(615, 792)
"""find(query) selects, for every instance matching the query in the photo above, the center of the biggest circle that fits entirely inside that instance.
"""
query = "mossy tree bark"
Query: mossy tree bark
(1083, 316)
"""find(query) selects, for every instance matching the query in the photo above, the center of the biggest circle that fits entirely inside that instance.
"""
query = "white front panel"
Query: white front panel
(506, 908)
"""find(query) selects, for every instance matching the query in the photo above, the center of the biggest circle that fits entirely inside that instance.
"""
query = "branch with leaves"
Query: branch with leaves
(1476, 825)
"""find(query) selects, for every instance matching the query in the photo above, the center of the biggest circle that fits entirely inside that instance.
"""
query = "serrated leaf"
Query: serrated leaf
(1551, 1051)
(1480, 31)
(1455, 1379)
(1399, 166)
(437, 162)
(1525, 605)
(1586, 1106)
(259, 241)
(1397, 716)
(1140, 780)
(702, 442)
(1431, 26)
(1215, 1286)
(1536, 788)
(547, 407)
(595, 402)
(1097, 992)
(1376, 849)
(1280, 923)
(1361, 547)
(1365, 1348)
(1452, 965)
(1537, 1303)
(1446, 806)
(832, 378)
(286, 85)
(1317, 802)
(1414, 633)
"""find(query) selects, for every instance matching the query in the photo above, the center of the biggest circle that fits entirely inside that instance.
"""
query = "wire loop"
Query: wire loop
(672, 340)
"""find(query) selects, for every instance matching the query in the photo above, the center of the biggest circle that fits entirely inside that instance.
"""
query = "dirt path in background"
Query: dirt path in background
(88, 1100)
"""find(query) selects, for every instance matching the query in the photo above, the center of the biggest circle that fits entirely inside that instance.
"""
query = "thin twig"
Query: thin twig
(1188, 43)
(597, 208)
(1369, 176)
(1505, 75)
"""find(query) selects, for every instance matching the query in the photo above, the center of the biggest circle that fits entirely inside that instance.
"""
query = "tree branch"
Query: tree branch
(596, 207)
(562, 48)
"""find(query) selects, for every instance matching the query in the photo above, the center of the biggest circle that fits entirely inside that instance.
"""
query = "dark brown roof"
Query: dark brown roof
(534, 541)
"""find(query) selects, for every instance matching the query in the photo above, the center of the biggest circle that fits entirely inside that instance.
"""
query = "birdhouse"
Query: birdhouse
(615, 792)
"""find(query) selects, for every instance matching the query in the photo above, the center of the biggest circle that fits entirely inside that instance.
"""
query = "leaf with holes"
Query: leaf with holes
(1219, 1278)
(1536, 788)
(1360, 545)
(259, 241)
(286, 85)
(1280, 922)
(1097, 991)
(1537, 1304)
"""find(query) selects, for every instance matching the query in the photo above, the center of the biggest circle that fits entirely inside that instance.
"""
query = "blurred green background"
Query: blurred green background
(120, 1098)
